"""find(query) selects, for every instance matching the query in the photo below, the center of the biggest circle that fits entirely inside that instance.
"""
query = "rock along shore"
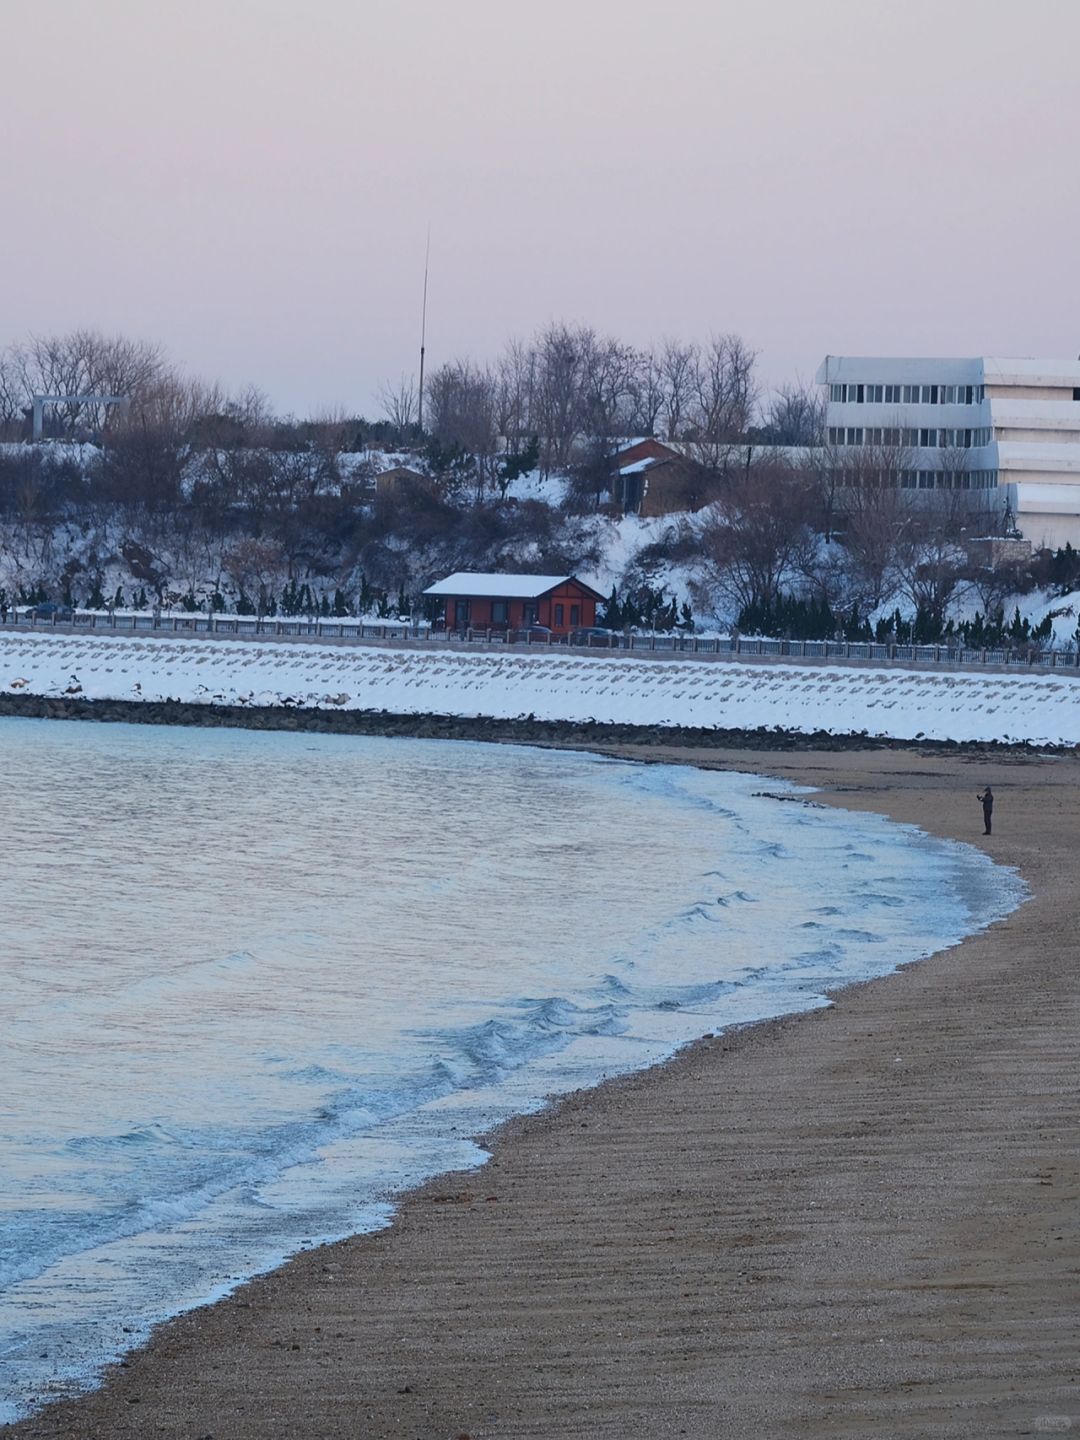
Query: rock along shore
(523, 730)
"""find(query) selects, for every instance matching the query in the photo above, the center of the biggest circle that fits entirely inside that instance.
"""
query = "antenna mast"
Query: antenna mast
(423, 336)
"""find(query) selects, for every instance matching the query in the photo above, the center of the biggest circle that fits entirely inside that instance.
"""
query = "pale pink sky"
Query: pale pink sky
(250, 181)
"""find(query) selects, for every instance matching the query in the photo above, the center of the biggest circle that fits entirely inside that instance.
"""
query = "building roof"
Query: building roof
(900, 369)
(1031, 372)
(948, 370)
(501, 587)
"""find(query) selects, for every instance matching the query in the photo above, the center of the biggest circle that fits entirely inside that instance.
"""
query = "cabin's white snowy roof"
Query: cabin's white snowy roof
(498, 587)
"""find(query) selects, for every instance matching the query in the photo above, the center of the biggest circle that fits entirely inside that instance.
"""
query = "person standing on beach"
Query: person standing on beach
(987, 801)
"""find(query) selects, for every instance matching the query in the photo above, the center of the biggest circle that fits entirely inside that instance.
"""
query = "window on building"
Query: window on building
(575, 614)
(558, 617)
(499, 612)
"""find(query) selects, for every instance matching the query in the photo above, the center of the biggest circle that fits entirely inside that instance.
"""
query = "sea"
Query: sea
(257, 984)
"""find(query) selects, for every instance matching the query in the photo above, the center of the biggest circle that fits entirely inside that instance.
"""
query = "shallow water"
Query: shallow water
(258, 983)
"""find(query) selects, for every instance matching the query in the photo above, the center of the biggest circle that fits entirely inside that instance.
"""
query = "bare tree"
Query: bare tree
(561, 351)
(461, 407)
(870, 484)
(399, 401)
(756, 536)
(256, 567)
(724, 398)
(931, 562)
(794, 415)
(13, 399)
(650, 393)
(679, 371)
(85, 362)
(515, 394)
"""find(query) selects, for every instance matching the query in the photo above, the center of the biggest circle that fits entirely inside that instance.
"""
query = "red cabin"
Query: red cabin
(560, 603)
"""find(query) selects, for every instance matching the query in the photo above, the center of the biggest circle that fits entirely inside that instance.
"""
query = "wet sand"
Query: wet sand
(860, 1221)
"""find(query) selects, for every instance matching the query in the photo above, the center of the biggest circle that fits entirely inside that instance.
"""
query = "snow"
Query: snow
(350, 461)
(1041, 709)
(536, 485)
(501, 587)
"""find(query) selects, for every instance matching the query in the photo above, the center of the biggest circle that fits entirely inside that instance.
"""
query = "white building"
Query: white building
(1009, 429)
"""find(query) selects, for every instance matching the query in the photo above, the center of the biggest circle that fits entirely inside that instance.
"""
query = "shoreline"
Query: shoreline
(595, 735)
(453, 1227)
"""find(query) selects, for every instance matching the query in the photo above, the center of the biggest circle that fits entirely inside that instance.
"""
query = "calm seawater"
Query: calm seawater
(255, 984)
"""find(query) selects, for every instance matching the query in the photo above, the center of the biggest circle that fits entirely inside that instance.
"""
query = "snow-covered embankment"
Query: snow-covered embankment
(553, 685)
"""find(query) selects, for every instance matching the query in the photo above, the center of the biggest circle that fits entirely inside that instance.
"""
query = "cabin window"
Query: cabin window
(575, 614)
(558, 616)
(499, 610)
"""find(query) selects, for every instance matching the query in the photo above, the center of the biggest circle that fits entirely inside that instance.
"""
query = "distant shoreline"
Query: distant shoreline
(525, 730)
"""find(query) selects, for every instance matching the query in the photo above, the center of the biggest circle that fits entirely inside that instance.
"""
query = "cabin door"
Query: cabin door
(461, 614)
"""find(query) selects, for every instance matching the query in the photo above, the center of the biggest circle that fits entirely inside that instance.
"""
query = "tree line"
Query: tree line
(199, 492)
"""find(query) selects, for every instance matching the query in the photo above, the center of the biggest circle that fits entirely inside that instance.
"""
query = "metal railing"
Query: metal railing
(415, 633)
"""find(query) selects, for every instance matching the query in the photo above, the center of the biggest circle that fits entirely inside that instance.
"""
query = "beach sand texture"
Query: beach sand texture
(860, 1221)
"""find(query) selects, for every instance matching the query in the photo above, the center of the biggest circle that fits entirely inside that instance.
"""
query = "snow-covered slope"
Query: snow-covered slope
(621, 689)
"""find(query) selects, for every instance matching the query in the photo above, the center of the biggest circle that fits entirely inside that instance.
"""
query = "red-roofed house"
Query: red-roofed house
(514, 602)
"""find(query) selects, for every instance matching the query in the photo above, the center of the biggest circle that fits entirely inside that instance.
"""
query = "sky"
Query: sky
(251, 182)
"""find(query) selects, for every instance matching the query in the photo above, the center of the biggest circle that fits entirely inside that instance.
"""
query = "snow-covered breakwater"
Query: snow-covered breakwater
(557, 686)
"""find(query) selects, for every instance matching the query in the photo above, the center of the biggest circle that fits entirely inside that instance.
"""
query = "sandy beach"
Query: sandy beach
(859, 1221)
